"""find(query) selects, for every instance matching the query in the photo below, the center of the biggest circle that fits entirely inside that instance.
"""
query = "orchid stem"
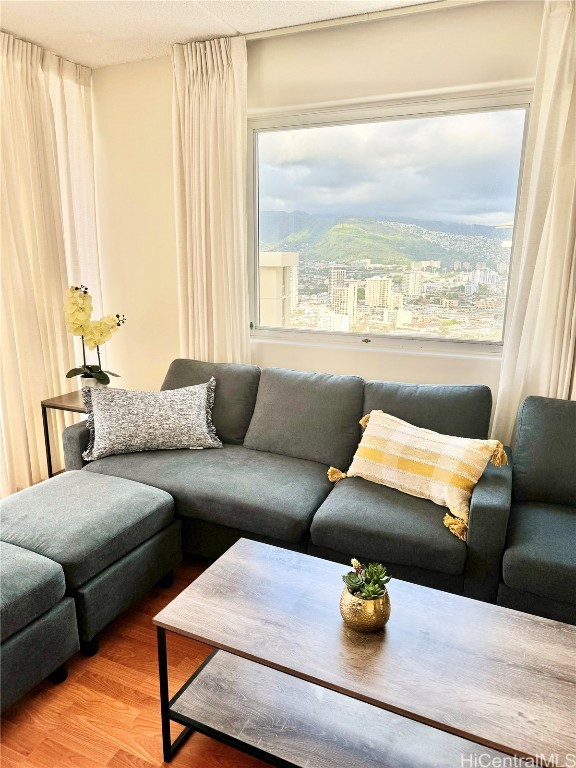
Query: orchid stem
(83, 352)
(98, 353)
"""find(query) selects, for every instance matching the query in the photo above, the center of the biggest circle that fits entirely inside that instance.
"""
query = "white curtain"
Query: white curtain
(48, 241)
(209, 125)
(540, 342)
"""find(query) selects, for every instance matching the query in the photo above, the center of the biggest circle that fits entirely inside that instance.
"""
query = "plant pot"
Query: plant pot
(89, 381)
(364, 615)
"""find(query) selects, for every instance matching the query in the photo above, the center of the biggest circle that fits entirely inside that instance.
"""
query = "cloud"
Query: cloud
(453, 167)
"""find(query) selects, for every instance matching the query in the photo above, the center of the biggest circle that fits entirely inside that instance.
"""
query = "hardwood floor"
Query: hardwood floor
(106, 714)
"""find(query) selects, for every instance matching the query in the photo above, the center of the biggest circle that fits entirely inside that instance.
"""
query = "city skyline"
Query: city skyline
(458, 298)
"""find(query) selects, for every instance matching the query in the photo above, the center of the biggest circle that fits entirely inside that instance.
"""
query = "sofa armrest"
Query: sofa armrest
(75, 441)
(487, 526)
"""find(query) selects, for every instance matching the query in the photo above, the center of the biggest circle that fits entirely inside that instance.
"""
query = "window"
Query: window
(388, 226)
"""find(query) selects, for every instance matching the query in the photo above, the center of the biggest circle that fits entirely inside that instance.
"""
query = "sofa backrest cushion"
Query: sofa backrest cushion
(544, 451)
(452, 409)
(234, 398)
(308, 416)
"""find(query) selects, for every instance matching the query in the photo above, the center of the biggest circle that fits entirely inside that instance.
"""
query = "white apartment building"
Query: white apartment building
(378, 292)
(344, 300)
(331, 321)
(337, 278)
(278, 285)
(397, 317)
(412, 284)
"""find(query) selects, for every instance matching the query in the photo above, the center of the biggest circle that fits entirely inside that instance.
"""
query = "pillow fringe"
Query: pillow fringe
(364, 421)
(335, 475)
(456, 526)
(499, 457)
(210, 392)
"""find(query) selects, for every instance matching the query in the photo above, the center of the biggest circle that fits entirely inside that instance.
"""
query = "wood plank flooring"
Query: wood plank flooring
(106, 714)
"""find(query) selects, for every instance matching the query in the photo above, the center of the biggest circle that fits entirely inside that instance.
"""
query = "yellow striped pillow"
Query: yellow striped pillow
(423, 463)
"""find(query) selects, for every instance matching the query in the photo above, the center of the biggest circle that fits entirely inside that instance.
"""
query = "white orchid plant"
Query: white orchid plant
(94, 333)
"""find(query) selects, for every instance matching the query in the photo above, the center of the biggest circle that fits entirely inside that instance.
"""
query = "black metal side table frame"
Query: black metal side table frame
(69, 402)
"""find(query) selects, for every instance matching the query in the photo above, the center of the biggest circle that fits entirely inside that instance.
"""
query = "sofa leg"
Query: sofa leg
(60, 674)
(166, 581)
(89, 647)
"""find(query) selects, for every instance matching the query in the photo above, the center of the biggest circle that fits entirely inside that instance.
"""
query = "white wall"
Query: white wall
(458, 47)
(136, 220)
(420, 51)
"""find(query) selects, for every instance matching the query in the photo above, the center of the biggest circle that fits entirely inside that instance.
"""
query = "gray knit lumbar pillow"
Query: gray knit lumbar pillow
(122, 421)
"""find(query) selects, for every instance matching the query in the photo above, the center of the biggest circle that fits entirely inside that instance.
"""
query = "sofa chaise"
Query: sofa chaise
(38, 625)
(281, 430)
(539, 563)
(101, 541)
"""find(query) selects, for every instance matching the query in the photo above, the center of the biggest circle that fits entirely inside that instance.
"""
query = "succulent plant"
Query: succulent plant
(353, 581)
(370, 591)
(367, 581)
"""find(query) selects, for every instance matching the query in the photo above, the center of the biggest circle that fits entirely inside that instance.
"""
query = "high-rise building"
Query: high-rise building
(293, 278)
(411, 283)
(278, 274)
(337, 278)
(396, 301)
(378, 290)
(344, 300)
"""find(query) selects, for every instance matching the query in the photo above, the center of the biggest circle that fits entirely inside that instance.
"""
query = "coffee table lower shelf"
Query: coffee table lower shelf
(285, 721)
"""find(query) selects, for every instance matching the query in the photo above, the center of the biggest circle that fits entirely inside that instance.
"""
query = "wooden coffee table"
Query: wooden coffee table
(449, 682)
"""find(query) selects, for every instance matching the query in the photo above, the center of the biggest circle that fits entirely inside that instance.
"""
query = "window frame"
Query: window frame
(311, 117)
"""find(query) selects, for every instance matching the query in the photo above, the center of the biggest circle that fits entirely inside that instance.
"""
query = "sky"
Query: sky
(461, 168)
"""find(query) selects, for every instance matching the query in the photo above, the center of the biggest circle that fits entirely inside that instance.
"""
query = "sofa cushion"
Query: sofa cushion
(540, 555)
(307, 415)
(544, 451)
(84, 521)
(463, 411)
(29, 586)
(260, 493)
(363, 519)
(236, 388)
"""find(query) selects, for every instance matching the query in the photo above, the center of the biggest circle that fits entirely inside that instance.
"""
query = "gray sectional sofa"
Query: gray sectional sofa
(76, 550)
(539, 564)
(281, 430)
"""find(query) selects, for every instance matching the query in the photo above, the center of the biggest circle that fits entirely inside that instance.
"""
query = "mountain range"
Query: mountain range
(344, 239)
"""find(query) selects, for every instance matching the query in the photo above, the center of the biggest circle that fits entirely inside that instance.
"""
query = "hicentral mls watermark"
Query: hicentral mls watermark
(490, 760)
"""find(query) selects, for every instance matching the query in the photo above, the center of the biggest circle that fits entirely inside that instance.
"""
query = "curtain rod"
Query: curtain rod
(362, 18)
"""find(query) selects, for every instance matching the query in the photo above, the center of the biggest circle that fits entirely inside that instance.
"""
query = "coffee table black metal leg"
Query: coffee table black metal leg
(47, 440)
(169, 749)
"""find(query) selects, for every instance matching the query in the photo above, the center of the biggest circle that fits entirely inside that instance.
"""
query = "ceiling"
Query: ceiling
(99, 33)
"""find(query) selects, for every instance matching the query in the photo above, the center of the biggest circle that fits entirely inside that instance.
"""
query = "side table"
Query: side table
(72, 401)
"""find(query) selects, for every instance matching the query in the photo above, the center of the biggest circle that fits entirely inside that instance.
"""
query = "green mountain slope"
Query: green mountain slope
(344, 239)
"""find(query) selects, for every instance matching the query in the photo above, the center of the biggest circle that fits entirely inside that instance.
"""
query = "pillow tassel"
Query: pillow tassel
(364, 421)
(499, 458)
(456, 526)
(334, 475)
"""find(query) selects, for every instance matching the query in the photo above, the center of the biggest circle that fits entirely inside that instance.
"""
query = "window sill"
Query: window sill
(403, 345)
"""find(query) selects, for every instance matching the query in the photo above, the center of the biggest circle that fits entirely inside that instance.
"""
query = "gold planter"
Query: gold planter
(364, 615)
